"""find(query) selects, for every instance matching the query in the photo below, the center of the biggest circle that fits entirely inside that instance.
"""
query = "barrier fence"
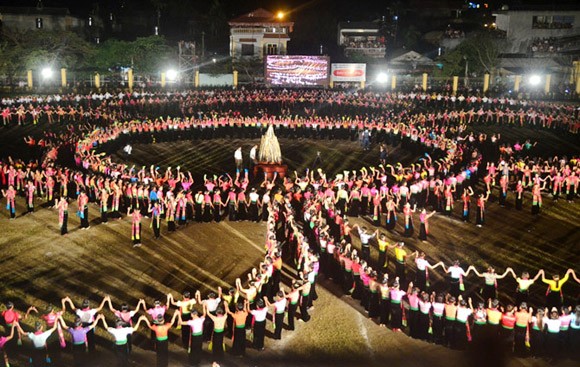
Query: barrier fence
(565, 86)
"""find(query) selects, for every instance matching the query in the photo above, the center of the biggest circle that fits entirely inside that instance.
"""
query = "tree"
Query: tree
(411, 37)
(250, 69)
(452, 63)
(20, 51)
(111, 55)
(146, 55)
(481, 52)
(151, 54)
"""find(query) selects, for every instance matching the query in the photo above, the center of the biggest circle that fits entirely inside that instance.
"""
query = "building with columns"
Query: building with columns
(259, 33)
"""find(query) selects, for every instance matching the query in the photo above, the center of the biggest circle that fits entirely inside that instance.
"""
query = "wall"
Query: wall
(518, 25)
(209, 80)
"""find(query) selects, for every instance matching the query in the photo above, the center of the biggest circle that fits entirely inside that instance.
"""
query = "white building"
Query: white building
(530, 31)
(361, 39)
(259, 33)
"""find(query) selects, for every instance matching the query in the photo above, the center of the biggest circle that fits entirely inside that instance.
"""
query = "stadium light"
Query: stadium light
(382, 78)
(46, 73)
(535, 80)
(280, 15)
(171, 75)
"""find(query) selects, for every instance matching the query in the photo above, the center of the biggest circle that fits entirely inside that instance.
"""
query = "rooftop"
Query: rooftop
(359, 25)
(259, 16)
(33, 10)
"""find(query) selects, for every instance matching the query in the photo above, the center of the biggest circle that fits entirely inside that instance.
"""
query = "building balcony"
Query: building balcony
(373, 52)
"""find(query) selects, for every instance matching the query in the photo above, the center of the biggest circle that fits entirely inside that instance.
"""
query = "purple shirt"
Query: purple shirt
(79, 336)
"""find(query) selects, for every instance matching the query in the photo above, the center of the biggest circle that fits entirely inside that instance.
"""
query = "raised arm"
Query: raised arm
(139, 304)
(62, 323)
(504, 274)
(226, 304)
(9, 337)
(94, 324)
(111, 308)
(440, 263)
(471, 267)
(208, 314)
(106, 326)
(31, 308)
(171, 300)
(544, 277)
(70, 302)
(145, 320)
(175, 314)
(102, 303)
(574, 276)
(268, 304)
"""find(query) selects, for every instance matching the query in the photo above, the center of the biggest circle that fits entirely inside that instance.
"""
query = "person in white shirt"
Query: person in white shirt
(456, 274)
(463, 313)
(279, 304)
(254, 154)
(196, 337)
(552, 328)
(87, 316)
(40, 352)
(260, 314)
(211, 303)
(365, 237)
(239, 159)
(121, 333)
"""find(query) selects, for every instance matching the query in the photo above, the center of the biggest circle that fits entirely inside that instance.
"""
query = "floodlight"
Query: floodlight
(535, 79)
(382, 78)
(171, 75)
(46, 73)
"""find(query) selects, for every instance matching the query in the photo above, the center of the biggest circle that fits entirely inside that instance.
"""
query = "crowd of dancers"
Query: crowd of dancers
(308, 229)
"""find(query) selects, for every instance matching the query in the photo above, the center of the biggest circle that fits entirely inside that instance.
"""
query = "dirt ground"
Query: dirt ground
(39, 266)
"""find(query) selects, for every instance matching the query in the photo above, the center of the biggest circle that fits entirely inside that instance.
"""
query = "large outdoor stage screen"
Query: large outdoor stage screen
(297, 70)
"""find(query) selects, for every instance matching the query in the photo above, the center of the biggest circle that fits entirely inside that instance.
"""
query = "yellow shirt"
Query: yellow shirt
(493, 317)
(382, 245)
(556, 286)
(400, 254)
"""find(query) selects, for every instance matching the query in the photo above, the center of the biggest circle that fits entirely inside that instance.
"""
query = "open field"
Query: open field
(39, 266)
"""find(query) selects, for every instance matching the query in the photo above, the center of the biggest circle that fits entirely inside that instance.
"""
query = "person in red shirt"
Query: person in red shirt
(11, 318)
(508, 322)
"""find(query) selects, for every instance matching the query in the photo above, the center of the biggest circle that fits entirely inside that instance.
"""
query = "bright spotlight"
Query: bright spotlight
(214, 60)
(535, 80)
(280, 15)
(382, 78)
(171, 75)
(46, 73)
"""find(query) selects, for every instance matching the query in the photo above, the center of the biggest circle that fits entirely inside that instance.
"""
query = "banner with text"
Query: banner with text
(348, 72)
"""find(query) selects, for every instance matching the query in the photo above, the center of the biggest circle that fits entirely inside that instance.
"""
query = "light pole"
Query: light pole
(280, 16)
(466, 70)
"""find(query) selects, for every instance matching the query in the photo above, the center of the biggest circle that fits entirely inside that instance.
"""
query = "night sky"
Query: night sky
(315, 20)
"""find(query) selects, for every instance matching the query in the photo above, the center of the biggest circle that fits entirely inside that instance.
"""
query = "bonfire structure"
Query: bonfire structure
(270, 156)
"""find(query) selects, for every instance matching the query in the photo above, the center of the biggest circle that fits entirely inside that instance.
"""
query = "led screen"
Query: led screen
(297, 70)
